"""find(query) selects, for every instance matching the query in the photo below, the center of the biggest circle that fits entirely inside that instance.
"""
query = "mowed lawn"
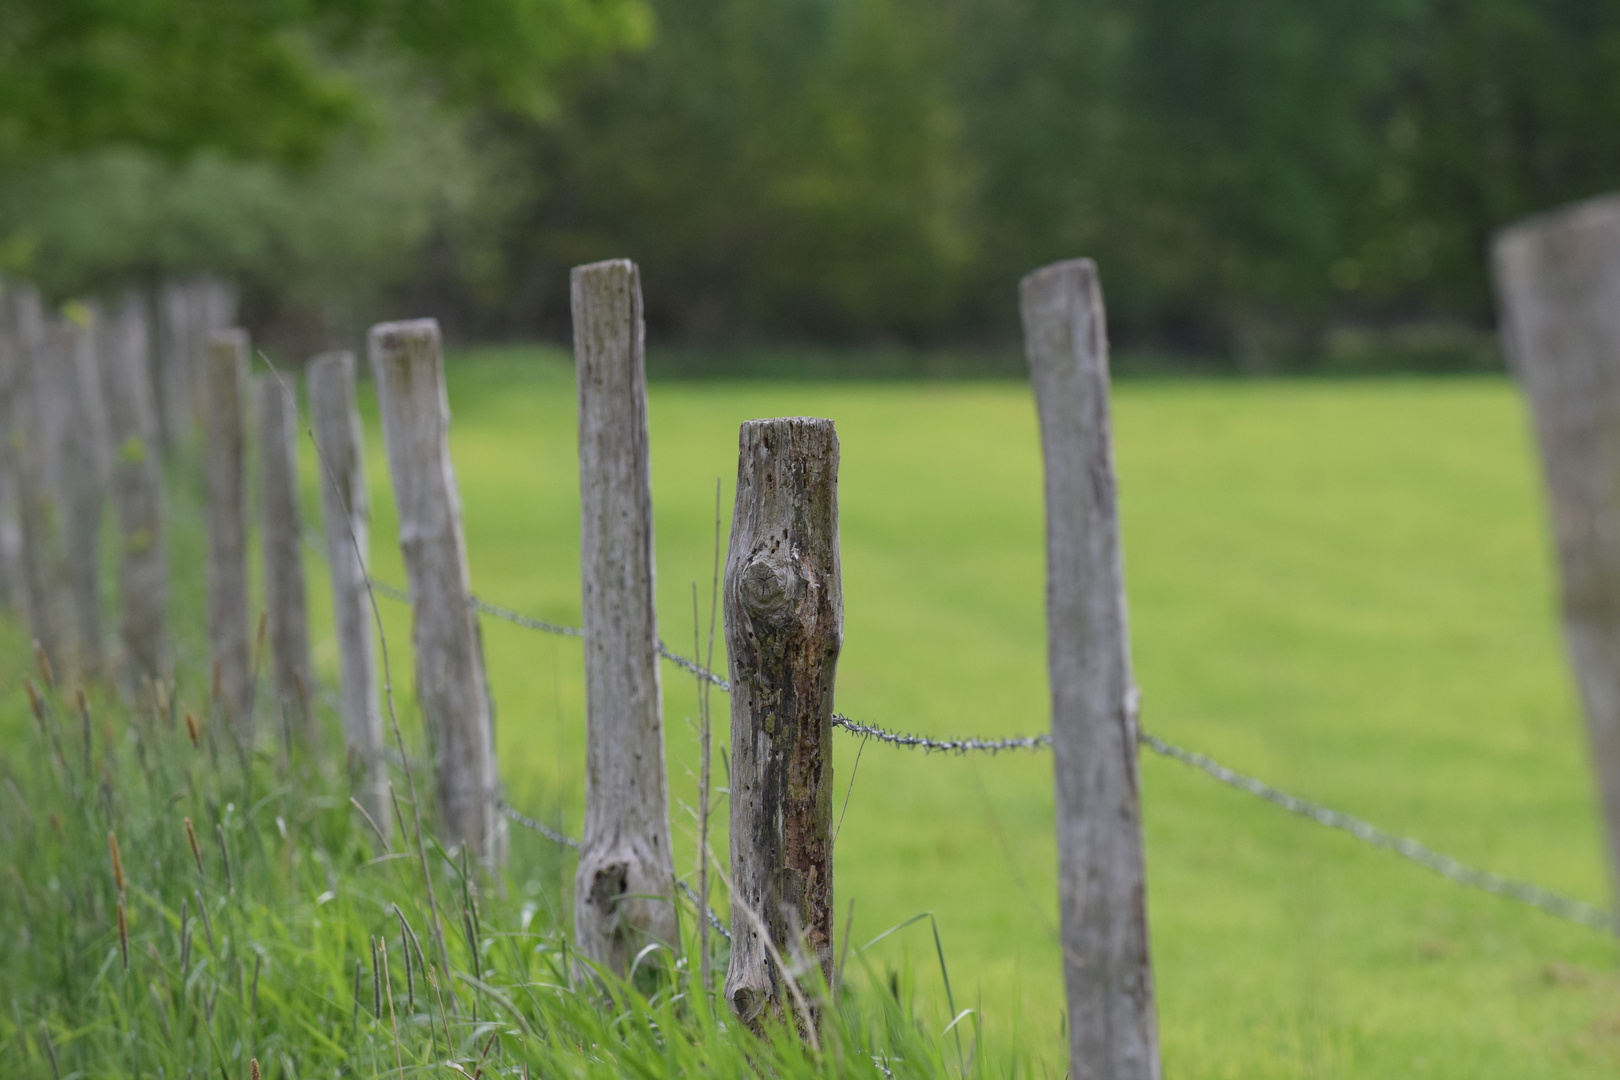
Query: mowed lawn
(1341, 587)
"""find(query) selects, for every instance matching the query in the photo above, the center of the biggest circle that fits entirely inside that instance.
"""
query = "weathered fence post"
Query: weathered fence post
(784, 616)
(345, 516)
(22, 325)
(1558, 286)
(224, 384)
(1113, 1029)
(407, 363)
(281, 527)
(77, 454)
(177, 345)
(624, 887)
(137, 490)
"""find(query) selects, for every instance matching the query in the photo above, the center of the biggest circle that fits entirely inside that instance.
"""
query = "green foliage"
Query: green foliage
(250, 77)
(181, 903)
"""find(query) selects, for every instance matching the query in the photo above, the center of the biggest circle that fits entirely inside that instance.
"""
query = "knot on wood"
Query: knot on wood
(771, 587)
(607, 887)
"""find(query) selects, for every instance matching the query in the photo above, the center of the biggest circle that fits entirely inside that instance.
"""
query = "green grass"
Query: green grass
(1344, 588)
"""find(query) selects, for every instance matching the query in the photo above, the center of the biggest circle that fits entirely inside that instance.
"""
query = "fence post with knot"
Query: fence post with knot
(625, 883)
(1558, 282)
(225, 387)
(784, 616)
(346, 520)
(136, 483)
(281, 529)
(407, 362)
(1113, 1029)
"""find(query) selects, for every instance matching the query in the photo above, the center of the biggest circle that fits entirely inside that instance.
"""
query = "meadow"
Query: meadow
(1343, 587)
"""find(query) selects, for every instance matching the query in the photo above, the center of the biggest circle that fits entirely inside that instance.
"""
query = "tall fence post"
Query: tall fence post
(137, 490)
(176, 368)
(22, 322)
(346, 517)
(224, 385)
(1113, 1029)
(281, 527)
(784, 617)
(624, 887)
(71, 401)
(407, 362)
(1558, 287)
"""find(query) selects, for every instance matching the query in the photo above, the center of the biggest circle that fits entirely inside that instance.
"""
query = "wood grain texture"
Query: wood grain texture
(178, 346)
(281, 531)
(224, 379)
(624, 887)
(1558, 286)
(77, 463)
(1113, 1028)
(29, 404)
(784, 618)
(346, 522)
(407, 363)
(136, 483)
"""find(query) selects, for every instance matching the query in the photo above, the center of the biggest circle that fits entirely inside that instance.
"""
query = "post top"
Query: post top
(393, 335)
(606, 266)
(1601, 212)
(1082, 271)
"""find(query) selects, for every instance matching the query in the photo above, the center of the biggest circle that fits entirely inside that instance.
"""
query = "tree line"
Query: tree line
(1252, 176)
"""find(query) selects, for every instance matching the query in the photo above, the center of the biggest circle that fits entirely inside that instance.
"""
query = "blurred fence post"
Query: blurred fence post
(22, 322)
(1113, 1029)
(625, 883)
(78, 455)
(346, 521)
(224, 378)
(1558, 286)
(136, 484)
(177, 348)
(784, 617)
(281, 527)
(451, 689)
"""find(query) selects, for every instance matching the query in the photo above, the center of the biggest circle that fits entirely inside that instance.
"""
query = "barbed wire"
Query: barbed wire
(1563, 907)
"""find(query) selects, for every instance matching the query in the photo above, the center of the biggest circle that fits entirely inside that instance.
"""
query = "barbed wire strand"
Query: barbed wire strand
(1563, 907)
(1444, 865)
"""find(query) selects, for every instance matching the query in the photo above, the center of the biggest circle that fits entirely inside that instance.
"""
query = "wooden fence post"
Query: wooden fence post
(224, 384)
(281, 527)
(784, 617)
(345, 517)
(407, 363)
(1113, 1030)
(177, 363)
(1558, 287)
(70, 394)
(137, 490)
(625, 884)
(22, 323)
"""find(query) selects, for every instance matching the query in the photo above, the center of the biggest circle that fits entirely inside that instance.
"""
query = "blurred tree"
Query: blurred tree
(779, 169)
(251, 78)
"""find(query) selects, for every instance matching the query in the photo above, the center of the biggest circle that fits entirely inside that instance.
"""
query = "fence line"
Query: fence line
(1552, 903)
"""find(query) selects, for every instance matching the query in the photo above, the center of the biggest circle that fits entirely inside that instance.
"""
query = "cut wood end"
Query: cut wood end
(408, 335)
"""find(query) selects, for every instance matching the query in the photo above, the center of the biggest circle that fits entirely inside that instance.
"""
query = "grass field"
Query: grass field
(1341, 587)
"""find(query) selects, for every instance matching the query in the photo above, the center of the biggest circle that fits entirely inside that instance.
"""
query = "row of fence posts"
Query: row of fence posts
(782, 603)
(91, 397)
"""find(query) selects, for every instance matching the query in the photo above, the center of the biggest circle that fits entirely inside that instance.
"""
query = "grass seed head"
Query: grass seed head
(191, 841)
(44, 662)
(34, 701)
(191, 729)
(253, 1069)
(117, 862)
